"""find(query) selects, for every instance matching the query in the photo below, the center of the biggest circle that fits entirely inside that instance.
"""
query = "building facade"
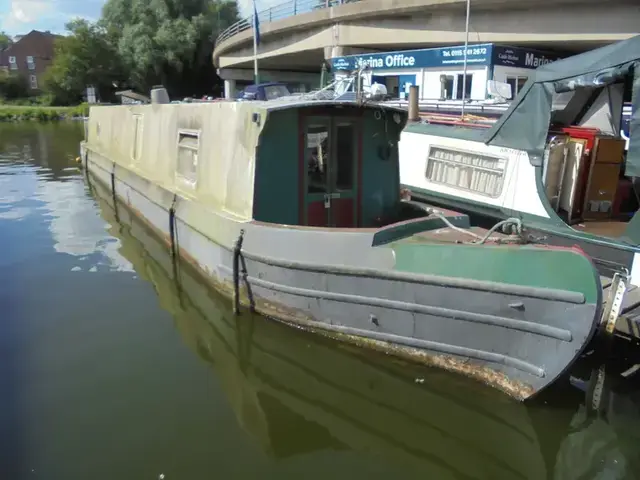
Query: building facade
(29, 56)
(439, 72)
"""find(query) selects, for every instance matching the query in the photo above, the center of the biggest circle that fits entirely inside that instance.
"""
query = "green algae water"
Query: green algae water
(118, 363)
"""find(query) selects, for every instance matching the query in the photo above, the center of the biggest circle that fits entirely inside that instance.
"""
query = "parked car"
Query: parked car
(264, 91)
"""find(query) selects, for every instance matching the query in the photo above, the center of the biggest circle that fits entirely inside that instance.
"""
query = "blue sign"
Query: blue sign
(412, 59)
(521, 57)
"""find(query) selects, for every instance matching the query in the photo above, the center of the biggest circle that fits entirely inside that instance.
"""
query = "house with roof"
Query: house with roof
(29, 56)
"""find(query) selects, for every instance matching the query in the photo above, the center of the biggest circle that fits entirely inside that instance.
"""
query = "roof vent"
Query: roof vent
(159, 95)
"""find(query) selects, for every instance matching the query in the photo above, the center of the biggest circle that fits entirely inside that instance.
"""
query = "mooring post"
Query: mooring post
(414, 107)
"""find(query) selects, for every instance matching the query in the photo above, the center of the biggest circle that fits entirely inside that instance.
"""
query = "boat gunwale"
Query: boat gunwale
(543, 225)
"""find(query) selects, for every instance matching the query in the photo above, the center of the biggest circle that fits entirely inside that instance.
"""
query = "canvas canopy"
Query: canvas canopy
(525, 125)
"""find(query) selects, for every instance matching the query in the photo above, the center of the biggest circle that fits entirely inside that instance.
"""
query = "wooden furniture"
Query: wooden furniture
(625, 191)
(555, 169)
(574, 181)
(604, 173)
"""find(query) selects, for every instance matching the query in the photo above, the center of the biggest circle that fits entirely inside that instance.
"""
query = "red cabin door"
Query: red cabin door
(331, 160)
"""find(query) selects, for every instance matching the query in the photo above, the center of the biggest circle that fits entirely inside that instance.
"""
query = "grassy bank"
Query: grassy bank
(16, 113)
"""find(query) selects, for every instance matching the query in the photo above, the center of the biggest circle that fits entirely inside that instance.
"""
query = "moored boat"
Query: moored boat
(558, 159)
(298, 396)
(293, 208)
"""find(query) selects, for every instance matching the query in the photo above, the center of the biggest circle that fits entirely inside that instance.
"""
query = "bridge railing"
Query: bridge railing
(279, 12)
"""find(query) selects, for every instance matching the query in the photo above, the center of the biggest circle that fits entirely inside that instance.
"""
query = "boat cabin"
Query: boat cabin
(286, 161)
(567, 121)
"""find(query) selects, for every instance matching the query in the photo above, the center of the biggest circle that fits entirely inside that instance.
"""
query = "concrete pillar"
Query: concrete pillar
(336, 51)
(229, 89)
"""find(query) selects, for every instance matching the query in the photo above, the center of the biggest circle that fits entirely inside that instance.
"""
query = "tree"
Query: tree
(168, 42)
(13, 86)
(85, 57)
(5, 41)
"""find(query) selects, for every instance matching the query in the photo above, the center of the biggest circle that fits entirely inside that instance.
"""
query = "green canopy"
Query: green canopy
(525, 125)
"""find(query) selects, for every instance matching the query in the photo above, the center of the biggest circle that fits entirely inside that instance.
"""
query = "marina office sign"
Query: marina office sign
(521, 57)
(482, 54)
(429, 57)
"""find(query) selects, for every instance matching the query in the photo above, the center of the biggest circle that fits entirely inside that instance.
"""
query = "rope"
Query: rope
(86, 165)
(236, 274)
(240, 267)
(173, 227)
(114, 197)
(511, 226)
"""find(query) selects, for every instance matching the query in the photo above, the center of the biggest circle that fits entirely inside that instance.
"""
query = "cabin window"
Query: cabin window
(345, 156)
(516, 85)
(479, 173)
(188, 146)
(136, 147)
(317, 156)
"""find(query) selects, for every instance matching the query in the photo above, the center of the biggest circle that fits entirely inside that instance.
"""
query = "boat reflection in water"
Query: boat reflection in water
(296, 393)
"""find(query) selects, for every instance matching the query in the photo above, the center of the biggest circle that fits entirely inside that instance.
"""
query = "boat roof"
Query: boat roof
(301, 101)
(609, 56)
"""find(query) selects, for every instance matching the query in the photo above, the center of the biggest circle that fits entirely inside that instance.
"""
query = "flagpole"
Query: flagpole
(464, 69)
(255, 58)
(256, 77)
(255, 61)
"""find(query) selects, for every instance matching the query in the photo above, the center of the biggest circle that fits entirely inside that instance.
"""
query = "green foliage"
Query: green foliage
(138, 44)
(5, 41)
(41, 100)
(81, 110)
(41, 113)
(85, 57)
(13, 86)
(168, 41)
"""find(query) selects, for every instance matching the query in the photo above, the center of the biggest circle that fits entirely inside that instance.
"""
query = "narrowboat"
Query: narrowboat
(558, 159)
(293, 208)
(333, 396)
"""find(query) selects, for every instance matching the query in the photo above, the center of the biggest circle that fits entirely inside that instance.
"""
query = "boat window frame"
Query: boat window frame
(317, 121)
(334, 165)
(506, 159)
(187, 132)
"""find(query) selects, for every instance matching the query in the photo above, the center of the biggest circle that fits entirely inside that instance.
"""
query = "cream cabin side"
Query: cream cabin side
(204, 152)
(482, 174)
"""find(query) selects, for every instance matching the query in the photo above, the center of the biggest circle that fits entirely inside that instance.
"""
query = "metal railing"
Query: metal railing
(279, 12)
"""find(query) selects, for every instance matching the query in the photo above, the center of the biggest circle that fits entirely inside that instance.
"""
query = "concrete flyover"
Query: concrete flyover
(296, 39)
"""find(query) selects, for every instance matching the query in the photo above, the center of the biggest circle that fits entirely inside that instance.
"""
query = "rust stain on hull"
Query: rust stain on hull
(300, 320)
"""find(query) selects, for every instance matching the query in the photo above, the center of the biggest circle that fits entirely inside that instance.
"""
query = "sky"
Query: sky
(21, 16)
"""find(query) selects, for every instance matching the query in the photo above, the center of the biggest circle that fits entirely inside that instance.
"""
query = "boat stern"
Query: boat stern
(516, 317)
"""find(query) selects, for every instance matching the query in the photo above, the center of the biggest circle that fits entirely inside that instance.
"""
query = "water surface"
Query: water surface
(116, 363)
